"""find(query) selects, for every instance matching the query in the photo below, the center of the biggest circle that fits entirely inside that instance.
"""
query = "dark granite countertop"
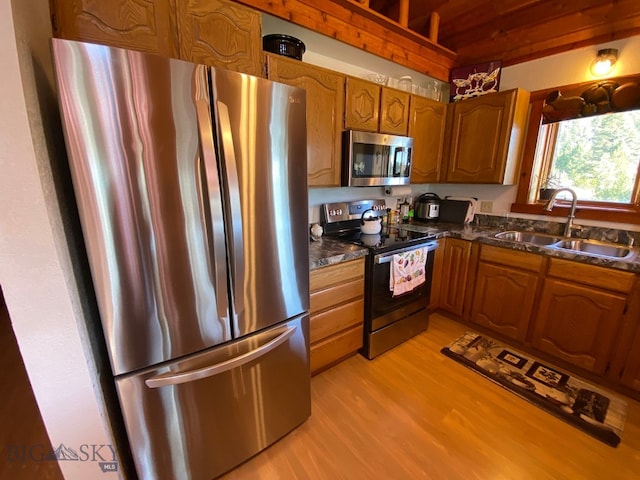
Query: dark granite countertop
(327, 251)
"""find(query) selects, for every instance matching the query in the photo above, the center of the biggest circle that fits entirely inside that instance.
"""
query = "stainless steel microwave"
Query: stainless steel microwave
(370, 159)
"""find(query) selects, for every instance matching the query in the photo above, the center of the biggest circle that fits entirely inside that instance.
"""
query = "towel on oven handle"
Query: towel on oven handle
(407, 271)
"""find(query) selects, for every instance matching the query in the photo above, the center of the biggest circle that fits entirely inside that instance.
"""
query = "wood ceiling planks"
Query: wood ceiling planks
(515, 31)
(469, 31)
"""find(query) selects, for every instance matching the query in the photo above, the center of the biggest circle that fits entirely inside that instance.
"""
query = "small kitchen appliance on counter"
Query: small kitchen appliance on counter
(388, 319)
(427, 207)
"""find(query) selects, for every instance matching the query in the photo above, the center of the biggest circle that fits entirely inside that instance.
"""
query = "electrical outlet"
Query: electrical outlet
(486, 206)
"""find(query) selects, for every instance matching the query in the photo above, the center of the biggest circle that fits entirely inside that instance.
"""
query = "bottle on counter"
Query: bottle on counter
(411, 210)
(404, 211)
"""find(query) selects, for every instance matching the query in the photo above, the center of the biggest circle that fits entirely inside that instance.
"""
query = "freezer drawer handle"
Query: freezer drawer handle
(175, 379)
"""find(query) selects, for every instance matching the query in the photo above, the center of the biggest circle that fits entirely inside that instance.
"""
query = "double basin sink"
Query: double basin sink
(576, 245)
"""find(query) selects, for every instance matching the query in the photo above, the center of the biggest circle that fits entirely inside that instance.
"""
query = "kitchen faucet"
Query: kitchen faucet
(572, 211)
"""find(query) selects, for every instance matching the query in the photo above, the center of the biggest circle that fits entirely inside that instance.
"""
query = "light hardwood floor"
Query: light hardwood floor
(414, 413)
(23, 437)
(411, 413)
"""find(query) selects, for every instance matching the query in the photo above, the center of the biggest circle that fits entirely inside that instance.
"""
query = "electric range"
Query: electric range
(388, 320)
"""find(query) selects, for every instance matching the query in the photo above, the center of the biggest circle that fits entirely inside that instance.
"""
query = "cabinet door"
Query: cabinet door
(362, 105)
(427, 120)
(337, 313)
(134, 24)
(455, 268)
(394, 111)
(631, 372)
(503, 299)
(577, 323)
(486, 139)
(221, 33)
(325, 108)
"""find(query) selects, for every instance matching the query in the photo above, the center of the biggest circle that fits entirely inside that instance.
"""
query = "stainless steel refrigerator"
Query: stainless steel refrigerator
(192, 192)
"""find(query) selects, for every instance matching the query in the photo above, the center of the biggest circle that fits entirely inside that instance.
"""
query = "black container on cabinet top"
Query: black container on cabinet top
(283, 45)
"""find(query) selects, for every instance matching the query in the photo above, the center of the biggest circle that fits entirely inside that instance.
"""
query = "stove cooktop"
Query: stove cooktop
(390, 238)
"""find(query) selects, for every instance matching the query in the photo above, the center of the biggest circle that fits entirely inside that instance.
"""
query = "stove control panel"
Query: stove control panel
(342, 211)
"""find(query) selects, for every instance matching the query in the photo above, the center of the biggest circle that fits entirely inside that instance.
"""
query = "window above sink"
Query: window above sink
(543, 140)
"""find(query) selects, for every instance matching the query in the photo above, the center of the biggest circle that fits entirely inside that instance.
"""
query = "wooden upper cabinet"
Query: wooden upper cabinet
(394, 111)
(325, 110)
(427, 121)
(221, 33)
(486, 138)
(134, 24)
(362, 105)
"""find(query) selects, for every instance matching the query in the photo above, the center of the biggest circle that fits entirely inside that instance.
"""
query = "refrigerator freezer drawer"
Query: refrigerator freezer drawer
(201, 416)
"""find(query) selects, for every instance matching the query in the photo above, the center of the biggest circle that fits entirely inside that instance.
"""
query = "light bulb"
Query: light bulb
(604, 62)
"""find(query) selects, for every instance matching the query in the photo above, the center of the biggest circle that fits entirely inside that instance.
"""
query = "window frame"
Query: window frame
(529, 181)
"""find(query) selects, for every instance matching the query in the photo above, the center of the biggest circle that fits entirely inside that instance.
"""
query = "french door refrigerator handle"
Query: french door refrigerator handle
(213, 215)
(235, 220)
(167, 379)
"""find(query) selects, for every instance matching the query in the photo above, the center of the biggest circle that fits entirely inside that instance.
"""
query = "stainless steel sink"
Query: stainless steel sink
(577, 245)
(595, 247)
(528, 237)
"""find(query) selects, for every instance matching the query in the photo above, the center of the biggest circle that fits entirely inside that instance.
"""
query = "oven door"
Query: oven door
(382, 307)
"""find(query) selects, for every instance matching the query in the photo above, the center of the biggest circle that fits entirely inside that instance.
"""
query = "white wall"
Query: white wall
(329, 53)
(35, 267)
(548, 72)
(571, 67)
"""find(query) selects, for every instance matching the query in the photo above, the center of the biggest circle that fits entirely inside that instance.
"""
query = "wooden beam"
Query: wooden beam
(360, 27)
(404, 13)
(434, 25)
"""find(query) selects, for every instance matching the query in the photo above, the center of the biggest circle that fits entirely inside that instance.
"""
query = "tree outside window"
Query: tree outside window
(598, 157)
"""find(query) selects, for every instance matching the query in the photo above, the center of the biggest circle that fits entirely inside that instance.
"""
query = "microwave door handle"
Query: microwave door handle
(167, 379)
(212, 208)
(236, 247)
(397, 161)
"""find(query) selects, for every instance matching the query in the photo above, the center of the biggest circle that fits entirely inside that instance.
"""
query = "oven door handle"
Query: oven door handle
(387, 257)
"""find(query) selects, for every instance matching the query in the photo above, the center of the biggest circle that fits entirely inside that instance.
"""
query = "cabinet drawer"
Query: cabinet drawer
(335, 348)
(336, 295)
(602, 277)
(334, 274)
(511, 258)
(331, 321)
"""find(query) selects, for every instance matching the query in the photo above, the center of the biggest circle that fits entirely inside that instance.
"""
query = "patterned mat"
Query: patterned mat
(575, 401)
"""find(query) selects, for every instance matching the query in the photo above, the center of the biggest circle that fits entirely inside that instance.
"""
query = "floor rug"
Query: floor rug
(575, 401)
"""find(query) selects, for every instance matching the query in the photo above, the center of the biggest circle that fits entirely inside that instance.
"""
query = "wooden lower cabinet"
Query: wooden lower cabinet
(580, 313)
(337, 313)
(631, 371)
(453, 274)
(505, 290)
